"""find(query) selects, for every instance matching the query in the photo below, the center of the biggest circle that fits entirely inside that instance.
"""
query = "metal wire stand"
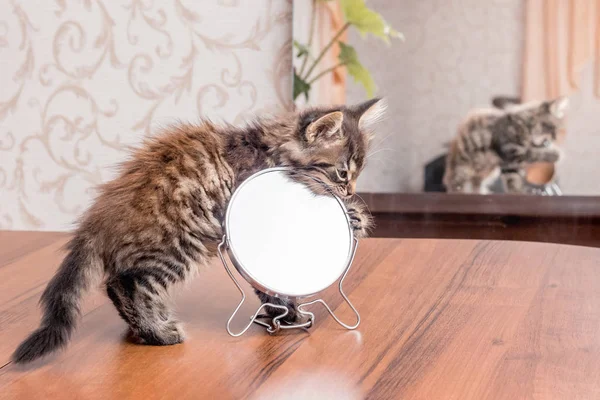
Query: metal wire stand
(276, 324)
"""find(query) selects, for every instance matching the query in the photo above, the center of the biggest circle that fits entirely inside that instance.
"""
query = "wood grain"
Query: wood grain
(16, 244)
(451, 319)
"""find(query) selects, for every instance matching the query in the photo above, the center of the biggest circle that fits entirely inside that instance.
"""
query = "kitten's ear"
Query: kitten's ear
(327, 127)
(559, 106)
(370, 112)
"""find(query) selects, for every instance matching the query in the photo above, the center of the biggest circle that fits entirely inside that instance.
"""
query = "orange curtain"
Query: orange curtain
(332, 87)
(560, 39)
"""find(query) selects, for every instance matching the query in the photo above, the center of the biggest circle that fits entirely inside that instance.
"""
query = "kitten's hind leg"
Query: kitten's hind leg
(488, 181)
(513, 181)
(141, 298)
(475, 186)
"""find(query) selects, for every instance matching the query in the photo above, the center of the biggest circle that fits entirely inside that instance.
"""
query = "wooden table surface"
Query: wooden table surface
(442, 319)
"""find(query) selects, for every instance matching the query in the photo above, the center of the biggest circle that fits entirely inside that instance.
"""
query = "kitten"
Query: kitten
(493, 141)
(154, 225)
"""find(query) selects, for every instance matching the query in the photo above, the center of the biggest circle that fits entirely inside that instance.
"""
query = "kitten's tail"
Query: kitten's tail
(61, 302)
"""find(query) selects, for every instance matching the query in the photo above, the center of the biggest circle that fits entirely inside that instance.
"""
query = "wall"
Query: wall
(458, 54)
(83, 80)
(579, 171)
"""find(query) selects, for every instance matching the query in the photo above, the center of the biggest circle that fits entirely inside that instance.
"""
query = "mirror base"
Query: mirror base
(275, 325)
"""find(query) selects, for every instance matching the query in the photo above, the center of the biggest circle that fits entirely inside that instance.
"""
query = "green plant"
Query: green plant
(366, 21)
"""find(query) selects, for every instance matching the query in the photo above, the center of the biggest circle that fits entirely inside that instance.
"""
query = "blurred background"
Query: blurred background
(449, 57)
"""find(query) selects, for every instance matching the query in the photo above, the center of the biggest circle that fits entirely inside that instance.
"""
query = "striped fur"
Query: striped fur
(161, 219)
(503, 141)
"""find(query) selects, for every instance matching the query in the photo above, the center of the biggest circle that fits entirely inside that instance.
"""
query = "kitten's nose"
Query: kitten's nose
(351, 188)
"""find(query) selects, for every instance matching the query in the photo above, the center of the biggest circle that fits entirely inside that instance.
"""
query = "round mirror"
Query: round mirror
(284, 239)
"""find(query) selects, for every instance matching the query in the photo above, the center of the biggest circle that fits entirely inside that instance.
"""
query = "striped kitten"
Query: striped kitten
(494, 142)
(153, 226)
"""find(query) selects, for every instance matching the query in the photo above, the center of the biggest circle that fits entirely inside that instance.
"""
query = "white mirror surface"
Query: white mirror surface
(285, 240)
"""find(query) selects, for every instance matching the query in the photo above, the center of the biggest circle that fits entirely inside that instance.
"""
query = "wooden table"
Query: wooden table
(442, 319)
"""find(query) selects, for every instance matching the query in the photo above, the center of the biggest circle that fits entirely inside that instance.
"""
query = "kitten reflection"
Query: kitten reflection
(496, 143)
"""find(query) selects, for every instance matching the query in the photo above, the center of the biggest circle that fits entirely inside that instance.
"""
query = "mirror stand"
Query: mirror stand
(275, 325)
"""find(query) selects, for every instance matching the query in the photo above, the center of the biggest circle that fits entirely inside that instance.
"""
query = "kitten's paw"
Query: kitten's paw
(513, 183)
(360, 219)
(293, 315)
(553, 156)
(166, 335)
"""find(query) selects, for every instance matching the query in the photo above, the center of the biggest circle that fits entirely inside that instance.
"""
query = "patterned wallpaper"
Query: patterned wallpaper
(82, 80)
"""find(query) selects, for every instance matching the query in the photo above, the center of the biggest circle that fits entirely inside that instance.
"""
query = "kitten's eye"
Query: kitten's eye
(323, 165)
(342, 174)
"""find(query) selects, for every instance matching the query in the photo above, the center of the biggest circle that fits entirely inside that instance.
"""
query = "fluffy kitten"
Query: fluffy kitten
(154, 225)
(503, 141)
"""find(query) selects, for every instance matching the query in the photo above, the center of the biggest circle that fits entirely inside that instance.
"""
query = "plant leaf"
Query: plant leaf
(366, 20)
(302, 49)
(300, 87)
(356, 70)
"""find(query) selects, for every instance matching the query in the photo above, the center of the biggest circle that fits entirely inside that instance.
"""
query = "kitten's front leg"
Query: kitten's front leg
(360, 218)
(546, 154)
(292, 316)
(514, 154)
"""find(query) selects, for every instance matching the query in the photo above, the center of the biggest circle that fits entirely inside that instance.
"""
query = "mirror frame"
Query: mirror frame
(254, 282)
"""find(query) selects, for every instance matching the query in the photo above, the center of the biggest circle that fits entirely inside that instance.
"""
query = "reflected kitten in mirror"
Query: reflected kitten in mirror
(492, 142)
(160, 220)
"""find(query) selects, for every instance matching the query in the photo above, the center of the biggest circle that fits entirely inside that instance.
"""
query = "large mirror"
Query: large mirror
(483, 97)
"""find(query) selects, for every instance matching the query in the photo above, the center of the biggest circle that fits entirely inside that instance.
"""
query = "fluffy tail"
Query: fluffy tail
(502, 102)
(61, 303)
